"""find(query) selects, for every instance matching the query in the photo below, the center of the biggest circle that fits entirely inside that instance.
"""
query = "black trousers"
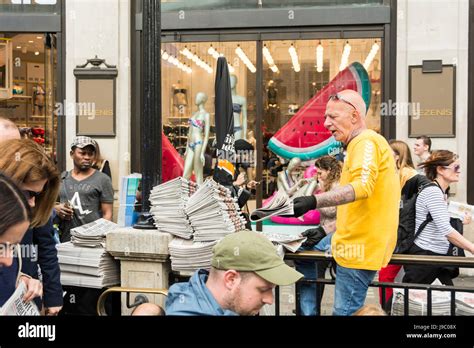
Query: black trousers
(426, 274)
(83, 301)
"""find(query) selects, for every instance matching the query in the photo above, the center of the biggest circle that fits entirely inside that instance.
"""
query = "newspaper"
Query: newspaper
(281, 204)
(458, 210)
(16, 306)
(290, 242)
(93, 234)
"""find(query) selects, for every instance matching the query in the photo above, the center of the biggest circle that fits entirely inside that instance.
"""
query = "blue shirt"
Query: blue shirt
(194, 298)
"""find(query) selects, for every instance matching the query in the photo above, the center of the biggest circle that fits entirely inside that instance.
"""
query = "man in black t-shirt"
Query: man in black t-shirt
(86, 195)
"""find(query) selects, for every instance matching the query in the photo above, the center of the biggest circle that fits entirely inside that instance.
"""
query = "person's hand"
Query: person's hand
(252, 184)
(240, 180)
(52, 311)
(302, 205)
(33, 288)
(313, 236)
(467, 219)
(64, 212)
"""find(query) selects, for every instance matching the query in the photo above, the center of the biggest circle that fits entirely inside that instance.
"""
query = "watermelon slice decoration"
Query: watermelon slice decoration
(304, 135)
(173, 163)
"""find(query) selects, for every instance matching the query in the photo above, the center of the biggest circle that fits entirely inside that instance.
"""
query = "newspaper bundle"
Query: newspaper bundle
(465, 303)
(281, 204)
(290, 242)
(213, 212)
(418, 302)
(168, 202)
(16, 306)
(87, 267)
(189, 256)
(93, 234)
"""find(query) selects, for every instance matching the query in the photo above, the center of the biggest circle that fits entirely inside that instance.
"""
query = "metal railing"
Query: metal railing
(138, 300)
(397, 259)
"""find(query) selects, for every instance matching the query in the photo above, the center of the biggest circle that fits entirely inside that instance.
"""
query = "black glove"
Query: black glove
(302, 205)
(313, 236)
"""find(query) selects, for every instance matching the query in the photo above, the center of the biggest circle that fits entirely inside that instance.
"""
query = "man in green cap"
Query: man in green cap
(245, 268)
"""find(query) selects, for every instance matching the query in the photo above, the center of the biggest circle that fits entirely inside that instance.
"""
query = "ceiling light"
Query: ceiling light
(243, 57)
(345, 56)
(294, 58)
(371, 55)
(30, 41)
(37, 53)
(269, 58)
(39, 37)
(319, 57)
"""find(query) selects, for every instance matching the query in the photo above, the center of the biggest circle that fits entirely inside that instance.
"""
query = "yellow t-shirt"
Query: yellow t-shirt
(366, 229)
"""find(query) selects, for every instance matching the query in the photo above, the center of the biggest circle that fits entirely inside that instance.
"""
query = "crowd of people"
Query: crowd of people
(359, 202)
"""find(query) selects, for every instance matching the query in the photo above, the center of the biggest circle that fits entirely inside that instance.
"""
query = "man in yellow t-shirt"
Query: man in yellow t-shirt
(368, 199)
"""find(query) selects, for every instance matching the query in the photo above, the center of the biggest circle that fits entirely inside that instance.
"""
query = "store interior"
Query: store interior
(293, 72)
(31, 101)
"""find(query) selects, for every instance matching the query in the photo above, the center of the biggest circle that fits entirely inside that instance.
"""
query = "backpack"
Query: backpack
(407, 222)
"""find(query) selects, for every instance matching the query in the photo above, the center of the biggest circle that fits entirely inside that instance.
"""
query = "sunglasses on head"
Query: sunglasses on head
(30, 194)
(337, 96)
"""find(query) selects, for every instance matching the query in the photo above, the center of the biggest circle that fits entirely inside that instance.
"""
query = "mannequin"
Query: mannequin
(38, 100)
(291, 179)
(198, 137)
(272, 95)
(240, 107)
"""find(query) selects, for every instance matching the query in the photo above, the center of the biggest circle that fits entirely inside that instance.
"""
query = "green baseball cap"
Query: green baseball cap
(249, 251)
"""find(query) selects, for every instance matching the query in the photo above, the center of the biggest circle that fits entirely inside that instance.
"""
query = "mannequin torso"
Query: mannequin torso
(239, 105)
(198, 137)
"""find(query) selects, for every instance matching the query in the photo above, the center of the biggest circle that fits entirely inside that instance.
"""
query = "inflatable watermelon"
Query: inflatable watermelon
(304, 135)
(173, 164)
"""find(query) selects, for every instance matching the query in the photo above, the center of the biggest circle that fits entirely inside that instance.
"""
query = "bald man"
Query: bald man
(368, 198)
(148, 309)
(8, 130)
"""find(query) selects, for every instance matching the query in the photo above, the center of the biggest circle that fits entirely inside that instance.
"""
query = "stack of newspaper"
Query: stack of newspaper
(189, 256)
(87, 267)
(213, 212)
(92, 235)
(464, 303)
(418, 302)
(168, 202)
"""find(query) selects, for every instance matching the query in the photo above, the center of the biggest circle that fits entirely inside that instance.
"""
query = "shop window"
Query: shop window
(188, 77)
(31, 105)
(294, 72)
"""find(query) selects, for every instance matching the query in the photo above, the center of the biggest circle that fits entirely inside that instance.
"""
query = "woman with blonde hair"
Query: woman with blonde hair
(26, 163)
